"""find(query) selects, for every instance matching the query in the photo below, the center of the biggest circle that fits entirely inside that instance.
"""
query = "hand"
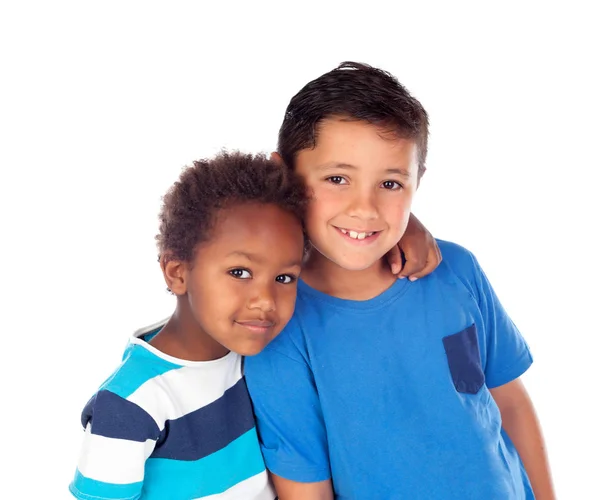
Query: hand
(421, 252)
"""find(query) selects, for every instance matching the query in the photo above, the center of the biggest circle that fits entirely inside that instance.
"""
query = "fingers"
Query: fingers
(416, 268)
(413, 268)
(421, 252)
(394, 258)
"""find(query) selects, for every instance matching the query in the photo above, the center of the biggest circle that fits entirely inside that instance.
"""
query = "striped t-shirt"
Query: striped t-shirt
(167, 429)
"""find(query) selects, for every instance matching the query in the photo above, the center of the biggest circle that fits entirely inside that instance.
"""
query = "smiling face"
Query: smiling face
(361, 179)
(241, 287)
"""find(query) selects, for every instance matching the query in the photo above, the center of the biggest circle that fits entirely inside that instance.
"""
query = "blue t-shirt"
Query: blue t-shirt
(389, 397)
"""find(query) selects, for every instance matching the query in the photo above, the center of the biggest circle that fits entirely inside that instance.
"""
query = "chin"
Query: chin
(350, 264)
(249, 349)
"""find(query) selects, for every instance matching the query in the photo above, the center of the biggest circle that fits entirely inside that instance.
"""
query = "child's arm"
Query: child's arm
(119, 436)
(289, 417)
(420, 250)
(292, 490)
(521, 424)
(506, 356)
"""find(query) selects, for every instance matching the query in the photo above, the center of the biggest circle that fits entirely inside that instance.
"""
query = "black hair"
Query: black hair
(190, 205)
(352, 91)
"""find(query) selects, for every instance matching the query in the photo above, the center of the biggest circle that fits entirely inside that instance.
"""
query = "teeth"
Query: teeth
(355, 235)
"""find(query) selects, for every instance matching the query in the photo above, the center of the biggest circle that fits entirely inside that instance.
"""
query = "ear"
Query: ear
(276, 157)
(174, 272)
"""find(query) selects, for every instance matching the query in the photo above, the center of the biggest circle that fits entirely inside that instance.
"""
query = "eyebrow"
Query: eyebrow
(347, 166)
(254, 258)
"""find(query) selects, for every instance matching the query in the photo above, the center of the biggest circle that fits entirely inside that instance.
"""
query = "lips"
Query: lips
(256, 325)
(358, 236)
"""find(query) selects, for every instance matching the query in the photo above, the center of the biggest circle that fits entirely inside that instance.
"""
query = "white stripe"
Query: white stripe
(254, 488)
(116, 461)
(183, 390)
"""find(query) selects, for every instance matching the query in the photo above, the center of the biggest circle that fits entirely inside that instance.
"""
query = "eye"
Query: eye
(337, 179)
(285, 279)
(391, 185)
(242, 274)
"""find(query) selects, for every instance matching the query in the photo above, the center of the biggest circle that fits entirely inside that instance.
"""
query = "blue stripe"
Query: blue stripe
(208, 429)
(139, 365)
(89, 489)
(115, 417)
(174, 479)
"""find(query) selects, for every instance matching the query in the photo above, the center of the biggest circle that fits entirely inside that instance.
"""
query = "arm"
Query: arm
(292, 490)
(507, 358)
(119, 435)
(289, 417)
(420, 251)
(521, 424)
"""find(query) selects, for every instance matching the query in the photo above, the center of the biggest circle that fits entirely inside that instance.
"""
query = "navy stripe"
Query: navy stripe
(208, 429)
(115, 417)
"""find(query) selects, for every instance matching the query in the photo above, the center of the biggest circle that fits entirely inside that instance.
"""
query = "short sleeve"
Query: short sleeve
(119, 437)
(507, 353)
(288, 411)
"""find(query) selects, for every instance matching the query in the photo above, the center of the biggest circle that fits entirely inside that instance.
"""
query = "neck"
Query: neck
(326, 276)
(183, 338)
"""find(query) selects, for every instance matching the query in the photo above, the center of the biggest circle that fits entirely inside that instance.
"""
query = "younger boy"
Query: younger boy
(174, 421)
(382, 389)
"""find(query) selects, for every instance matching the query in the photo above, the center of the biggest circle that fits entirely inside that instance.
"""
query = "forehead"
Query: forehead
(257, 228)
(360, 143)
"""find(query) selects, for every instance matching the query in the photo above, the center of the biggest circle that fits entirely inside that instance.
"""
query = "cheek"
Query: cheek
(285, 305)
(396, 212)
(219, 295)
(323, 204)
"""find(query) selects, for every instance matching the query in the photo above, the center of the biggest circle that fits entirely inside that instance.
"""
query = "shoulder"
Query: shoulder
(290, 344)
(460, 263)
(457, 259)
(138, 367)
(456, 255)
(127, 404)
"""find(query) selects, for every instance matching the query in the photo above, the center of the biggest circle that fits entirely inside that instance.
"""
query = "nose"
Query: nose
(363, 205)
(263, 298)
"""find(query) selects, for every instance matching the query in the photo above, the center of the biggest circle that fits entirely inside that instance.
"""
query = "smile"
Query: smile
(359, 236)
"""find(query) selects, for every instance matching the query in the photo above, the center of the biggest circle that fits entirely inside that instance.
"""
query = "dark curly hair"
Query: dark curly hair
(354, 91)
(190, 205)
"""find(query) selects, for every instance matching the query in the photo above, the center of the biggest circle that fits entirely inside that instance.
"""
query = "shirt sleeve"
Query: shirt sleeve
(119, 437)
(288, 411)
(507, 353)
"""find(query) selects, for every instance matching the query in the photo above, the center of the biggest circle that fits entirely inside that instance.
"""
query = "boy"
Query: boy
(174, 421)
(381, 388)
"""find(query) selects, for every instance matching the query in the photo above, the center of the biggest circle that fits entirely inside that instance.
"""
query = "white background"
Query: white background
(102, 103)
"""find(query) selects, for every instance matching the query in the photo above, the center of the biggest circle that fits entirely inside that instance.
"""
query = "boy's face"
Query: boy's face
(361, 180)
(242, 285)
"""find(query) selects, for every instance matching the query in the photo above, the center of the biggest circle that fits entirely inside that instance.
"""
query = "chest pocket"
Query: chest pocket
(464, 360)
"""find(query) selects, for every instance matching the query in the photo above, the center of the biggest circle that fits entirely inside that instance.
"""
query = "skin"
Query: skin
(421, 252)
(240, 290)
(359, 178)
(418, 246)
(520, 422)
(363, 181)
(362, 178)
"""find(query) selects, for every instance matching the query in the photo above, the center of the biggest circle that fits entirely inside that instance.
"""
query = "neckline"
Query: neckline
(381, 300)
(138, 340)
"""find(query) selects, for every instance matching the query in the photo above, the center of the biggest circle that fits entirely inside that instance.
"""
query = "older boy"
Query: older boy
(381, 388)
